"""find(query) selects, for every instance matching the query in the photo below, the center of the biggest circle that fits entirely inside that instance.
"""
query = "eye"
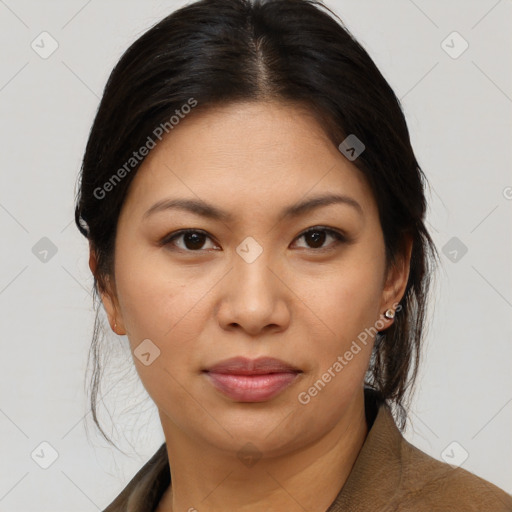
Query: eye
(193, 239)
(316, 237)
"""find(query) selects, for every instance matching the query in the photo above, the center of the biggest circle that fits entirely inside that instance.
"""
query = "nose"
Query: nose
(254, 298)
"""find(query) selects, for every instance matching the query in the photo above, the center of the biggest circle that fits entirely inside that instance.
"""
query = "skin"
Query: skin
(203, 303)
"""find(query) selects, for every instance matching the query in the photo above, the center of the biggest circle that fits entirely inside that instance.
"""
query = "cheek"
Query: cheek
(340, 349)
(162, 307)
(345, 307)
(148, 303)
(166, 304)
(154, 294)
(348, 299)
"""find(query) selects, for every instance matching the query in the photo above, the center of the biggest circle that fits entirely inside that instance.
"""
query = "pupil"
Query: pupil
(317, 237)
(193, 240)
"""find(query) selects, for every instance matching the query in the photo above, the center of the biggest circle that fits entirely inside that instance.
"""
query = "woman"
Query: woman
(255, 214)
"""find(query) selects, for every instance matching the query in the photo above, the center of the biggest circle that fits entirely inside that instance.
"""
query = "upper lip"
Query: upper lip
(259, 366)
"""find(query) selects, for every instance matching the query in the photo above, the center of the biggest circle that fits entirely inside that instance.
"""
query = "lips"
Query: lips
(260, 366)
(252, 380)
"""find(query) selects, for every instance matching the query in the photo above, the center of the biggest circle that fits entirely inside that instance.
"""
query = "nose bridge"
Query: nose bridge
(251, 272)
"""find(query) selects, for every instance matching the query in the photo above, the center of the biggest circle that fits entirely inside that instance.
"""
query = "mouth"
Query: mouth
(251, 380)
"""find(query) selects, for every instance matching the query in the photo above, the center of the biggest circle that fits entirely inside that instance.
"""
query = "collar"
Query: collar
(377, 473)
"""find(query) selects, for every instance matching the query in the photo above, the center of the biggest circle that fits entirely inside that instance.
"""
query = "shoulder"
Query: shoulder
(143, 491)
(392, 475)
(429, 484)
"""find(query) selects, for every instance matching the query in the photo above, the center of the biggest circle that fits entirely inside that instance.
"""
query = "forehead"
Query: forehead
(247, 154)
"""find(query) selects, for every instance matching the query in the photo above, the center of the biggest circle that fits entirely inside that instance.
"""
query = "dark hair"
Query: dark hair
(220, 51)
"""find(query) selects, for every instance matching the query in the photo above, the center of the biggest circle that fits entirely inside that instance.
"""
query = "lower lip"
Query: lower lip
(251, 388)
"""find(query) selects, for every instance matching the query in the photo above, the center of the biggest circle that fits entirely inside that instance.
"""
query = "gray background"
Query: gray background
(459, 114)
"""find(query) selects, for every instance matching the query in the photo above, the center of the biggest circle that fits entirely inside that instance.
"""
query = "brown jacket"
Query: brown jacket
(389, 475)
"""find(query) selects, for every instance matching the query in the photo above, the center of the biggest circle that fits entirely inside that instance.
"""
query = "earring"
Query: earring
(389, 314)
(115, 326)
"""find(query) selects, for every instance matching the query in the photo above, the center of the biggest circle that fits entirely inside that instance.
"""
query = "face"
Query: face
(265, 277)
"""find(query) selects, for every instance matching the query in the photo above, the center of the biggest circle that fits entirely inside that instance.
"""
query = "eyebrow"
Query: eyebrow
(204, 209)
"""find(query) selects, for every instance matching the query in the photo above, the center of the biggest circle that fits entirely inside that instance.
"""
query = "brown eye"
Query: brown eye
(316, 237)
(192, 240)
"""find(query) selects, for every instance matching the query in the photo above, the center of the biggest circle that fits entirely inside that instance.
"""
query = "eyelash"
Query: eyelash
(339, 238)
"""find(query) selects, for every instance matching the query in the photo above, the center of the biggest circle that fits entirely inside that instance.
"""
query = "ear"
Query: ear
(108, 296)
(395, 281)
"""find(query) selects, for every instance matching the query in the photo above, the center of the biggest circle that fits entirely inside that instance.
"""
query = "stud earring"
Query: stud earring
(389, 314)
